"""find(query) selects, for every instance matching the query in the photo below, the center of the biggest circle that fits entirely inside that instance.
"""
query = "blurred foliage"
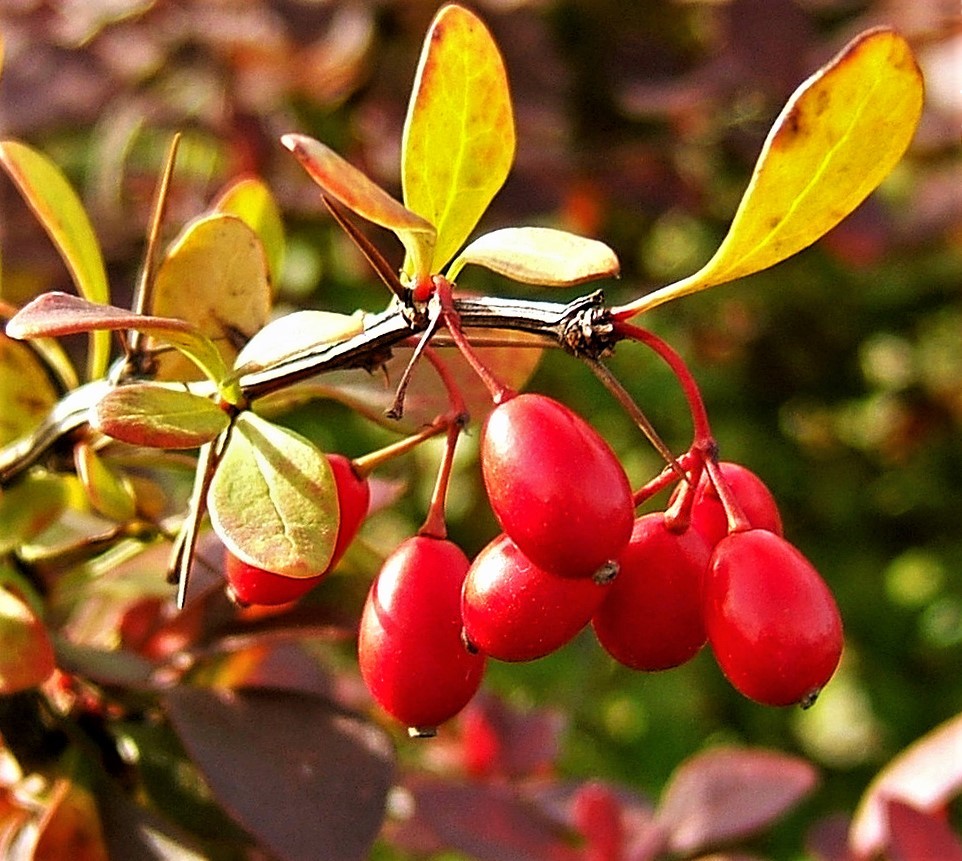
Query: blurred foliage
(837, 376)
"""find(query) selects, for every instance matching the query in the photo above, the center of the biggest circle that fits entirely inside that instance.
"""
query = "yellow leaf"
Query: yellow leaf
(26, 391)
(252, 202)
(458, 142)
(838, 137)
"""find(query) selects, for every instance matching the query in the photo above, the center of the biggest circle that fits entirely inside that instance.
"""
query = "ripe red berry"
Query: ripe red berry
(555, 486)
(248, 584)
(409, 646)
(750, 492)
(772, 622)
(515, 611)
(652, 618)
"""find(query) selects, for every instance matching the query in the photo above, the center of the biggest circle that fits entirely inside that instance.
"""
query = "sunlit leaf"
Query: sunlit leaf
(926, 775)
(305, 778)
(154, 415)
(60, 211)
(26, 653)
(838, 137)
(458, 142)
(54, 314)
(29, 507)
(293, 333)
(273, 501)
(214, 276)
(539, 255)
(26, 391)
(107, 491)
(342, 181)
(252, 202)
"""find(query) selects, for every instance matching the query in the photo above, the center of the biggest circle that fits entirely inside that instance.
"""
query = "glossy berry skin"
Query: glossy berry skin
(409, 646)
(555, 486)
(250, 585)
(772, 622)
(513, 610)
(652, 616)
(751, 494)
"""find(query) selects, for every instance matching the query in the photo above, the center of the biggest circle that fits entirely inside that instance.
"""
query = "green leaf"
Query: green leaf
(57, 206)
(273, 501)
(26, 391)
(838, 137)
(29, 507)
(252, 202)
(294, 333)
(539, 255)
(54, 314)
(108, 493)
(215, 277)
(458, 142)
(342, 181)
(151, 414)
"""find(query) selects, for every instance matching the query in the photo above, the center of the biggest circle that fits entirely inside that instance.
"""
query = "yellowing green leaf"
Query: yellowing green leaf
(539, 255)
(458, 142)
(273, 501)
(252, 202)
(285, 337)
(342, 181)
(26, 392)
(108, 493)
(26, 653)
(151, 414)
(29, 507)
(838, 137)
(57, 206)
(215, 277)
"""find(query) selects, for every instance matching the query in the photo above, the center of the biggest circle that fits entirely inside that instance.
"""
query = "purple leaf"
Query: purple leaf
(305, 778)
(729, 793)
(925, 775)
(827, 839)
(918, 836)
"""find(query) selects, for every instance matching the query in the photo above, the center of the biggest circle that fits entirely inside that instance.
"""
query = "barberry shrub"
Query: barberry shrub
(207, 375)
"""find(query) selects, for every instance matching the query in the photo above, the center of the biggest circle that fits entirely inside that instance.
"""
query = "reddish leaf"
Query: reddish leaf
(827, 839)
(307, 780)
(918, 836)
(926, 775)
(485, 821)
(728, 793)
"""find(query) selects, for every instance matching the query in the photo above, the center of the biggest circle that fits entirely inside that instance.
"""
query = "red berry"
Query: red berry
(409, 646)
(555, 486)
(652, 618)
(248, 584)
(772, 621)
(514, 611)
(753, 497)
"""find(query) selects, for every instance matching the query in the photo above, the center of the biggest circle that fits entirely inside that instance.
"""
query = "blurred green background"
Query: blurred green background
(837, 376)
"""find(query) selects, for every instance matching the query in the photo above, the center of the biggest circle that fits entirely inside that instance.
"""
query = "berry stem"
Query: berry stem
(499, 391)
(696, 405)
(737, 521)
(688, 461)
(435, 525)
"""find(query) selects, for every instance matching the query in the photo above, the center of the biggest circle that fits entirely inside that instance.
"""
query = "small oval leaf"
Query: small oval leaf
(293, 333)
(339, 179)
(58, 208)
(157, 416)
(26, 392)
(26, 653)
(107, 491)
(837, 138)
(30, 506)
(252, 202)
(215, 277)
(459, 141)
(540, 255)
(273, 501)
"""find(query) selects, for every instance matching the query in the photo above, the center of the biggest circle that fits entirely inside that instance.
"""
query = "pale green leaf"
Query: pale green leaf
(26, 391)
(838, 137)
(539, 255)
(107, 492)
(29, 507)
(273, 501)
(285, 337)
(214, 276)
(57, 206)
(343, 182)
(252, 202)
(458, 142)
(155, 415)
